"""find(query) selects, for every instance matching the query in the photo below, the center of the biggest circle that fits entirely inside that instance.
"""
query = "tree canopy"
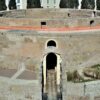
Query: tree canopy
(69, 4)
(33, 4)
(88, 4)
(2, 5)
(12, 4)
(98, 4)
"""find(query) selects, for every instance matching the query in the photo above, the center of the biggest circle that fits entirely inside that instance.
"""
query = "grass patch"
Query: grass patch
(74, 76)
(96, 66)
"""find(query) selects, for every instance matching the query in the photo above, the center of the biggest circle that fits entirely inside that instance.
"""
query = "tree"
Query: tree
(33, 4)
(63, 4)
(2, 5)
(76, 3)
(69, 4)
(98, 4)
(12, 4)
(88, 4)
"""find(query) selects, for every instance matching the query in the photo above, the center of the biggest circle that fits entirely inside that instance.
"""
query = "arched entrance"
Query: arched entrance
(51, 75)
(51, 61)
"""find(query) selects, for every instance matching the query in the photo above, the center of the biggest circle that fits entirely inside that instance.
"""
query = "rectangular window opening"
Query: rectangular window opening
(43, 24)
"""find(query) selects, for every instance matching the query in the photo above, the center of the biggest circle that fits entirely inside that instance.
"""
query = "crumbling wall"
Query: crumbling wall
(50, 13)
(77, 50)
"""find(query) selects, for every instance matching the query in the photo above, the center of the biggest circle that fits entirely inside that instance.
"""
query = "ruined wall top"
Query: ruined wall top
(50, 18)
(50, 13)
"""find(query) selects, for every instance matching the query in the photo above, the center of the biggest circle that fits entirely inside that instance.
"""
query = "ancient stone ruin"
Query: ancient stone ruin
(44, 54)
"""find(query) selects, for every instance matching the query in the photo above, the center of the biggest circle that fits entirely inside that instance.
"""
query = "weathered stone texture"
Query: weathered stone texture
(78, 98)
(17, 48)
(19, 91)
(50, 13)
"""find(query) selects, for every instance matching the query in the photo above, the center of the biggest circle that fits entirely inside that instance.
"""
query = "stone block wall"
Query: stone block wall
(79, 50)
(50, 13)
(50, 23)
(54, 18)
(19, 89)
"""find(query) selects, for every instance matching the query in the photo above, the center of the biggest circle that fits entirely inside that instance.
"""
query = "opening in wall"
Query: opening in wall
(51, 61)
(51, 43)
(91, 22)
(43, 24)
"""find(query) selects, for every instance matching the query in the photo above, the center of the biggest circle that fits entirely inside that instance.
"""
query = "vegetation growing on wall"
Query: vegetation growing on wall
(2, 5)
(12, 4)
(88, 74)
(74, 76)
(93, 71)
(33, 4)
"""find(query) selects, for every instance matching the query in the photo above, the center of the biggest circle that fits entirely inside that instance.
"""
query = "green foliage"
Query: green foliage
(2, 5)
(33, 4)
(88, 4)
(12, 4)
(96, 66)
(98, 4)
(69, 76)
(69, 4)
(74, 76)
(97, 73)
(97, 70)
(93, 72)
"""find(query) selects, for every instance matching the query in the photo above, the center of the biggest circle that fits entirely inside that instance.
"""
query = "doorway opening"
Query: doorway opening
(52, 76)
(51, 61)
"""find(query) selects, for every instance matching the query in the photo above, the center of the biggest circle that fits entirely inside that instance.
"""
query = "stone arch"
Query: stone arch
(56, 66)
(51, 61)
(51, 43)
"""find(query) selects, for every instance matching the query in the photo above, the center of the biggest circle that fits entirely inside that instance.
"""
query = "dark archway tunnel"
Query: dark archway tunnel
(51, 61)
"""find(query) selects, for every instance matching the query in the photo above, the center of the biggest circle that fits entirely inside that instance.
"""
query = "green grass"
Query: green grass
(96, 66)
